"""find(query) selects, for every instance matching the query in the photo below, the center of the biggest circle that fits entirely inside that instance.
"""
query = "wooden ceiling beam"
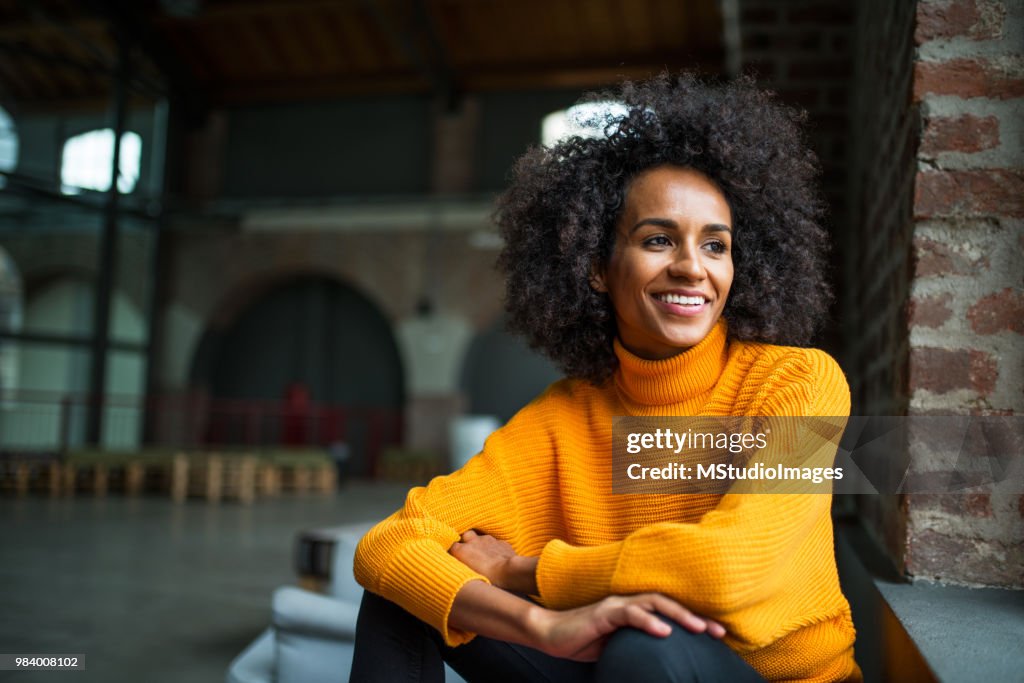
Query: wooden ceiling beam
(445, 82)
(413, 30)
(397, 31)
(245, 9)
(321, 88)
(21, 29)
(127, 17)
(412, 46)
(55, 62)
(482, 80)
(97, 102)
(79, 33)
(571, 75)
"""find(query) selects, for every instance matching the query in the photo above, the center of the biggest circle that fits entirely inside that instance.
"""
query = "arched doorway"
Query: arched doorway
(53, 378)
(307, 363)
(501, 373)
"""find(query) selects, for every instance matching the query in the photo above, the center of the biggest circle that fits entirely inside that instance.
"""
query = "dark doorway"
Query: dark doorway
(316, 360)
(501, 373)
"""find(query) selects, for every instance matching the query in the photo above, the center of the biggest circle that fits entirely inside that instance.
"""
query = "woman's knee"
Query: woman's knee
(374, 610)
(632, 655)
(393, 645)
(380, 615)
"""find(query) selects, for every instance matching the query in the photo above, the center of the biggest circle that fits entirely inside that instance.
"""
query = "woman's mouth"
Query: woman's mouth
(679, 304)
(680, 299)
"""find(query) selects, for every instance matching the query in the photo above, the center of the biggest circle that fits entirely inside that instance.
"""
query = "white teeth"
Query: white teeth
(682, 300)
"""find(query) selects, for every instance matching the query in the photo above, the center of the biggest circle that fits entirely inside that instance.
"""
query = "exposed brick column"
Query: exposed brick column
(204, 158)
(455, 143)
(803, 50)
(875, 249)
(966, 306)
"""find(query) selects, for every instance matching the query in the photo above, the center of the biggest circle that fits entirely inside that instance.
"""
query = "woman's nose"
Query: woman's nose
(687, 264)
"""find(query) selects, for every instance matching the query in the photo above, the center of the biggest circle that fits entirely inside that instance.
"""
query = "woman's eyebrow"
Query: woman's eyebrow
(659, 222)
(717, 227)
(672, 225)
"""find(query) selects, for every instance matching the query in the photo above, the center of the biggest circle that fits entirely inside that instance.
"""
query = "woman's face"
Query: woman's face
(670, 272)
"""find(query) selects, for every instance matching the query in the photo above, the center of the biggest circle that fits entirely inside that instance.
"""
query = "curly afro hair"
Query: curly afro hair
(558, 217)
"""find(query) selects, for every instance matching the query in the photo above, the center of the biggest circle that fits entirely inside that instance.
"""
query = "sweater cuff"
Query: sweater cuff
(571, 576)
(427, 585)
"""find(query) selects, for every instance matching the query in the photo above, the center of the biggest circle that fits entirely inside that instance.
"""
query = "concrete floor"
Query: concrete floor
(157, 592)
(149, 590)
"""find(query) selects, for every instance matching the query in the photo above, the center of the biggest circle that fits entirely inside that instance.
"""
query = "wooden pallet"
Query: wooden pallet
(21, 475)
(243, 476)
(98, 473)
(300, 471)
(215, 477)
(399, 464)
(268, 479)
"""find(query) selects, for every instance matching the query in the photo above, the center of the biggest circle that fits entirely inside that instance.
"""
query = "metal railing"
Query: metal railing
(53, 422)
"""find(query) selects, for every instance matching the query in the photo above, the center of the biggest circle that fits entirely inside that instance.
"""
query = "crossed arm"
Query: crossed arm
(494, 610)
(727, 566)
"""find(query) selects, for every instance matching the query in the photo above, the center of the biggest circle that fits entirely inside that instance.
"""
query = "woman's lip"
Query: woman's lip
(681, 310)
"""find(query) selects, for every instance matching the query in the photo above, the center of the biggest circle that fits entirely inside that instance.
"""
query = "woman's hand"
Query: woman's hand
(498, 561)
(581, 633)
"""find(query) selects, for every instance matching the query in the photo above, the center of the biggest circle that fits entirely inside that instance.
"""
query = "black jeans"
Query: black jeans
(392, 646)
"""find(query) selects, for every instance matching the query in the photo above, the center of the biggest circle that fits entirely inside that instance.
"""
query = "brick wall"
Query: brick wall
(802, 51)
(875, 249)
(217, 276)
(966, 303)
(934, 298)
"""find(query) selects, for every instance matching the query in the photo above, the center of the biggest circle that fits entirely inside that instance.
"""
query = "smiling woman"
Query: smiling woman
(672, 267)
(669, 274)
(559, 216)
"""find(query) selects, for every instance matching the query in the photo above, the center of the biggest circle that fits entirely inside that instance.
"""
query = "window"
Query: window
(8, 145)
(587, 120)
(10, 321)
(87, 160)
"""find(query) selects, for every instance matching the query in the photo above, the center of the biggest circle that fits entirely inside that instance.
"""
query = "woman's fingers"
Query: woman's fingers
(679, 614)
(639, 618)
(465, 538)
(690, 621)
(715, 629)
(655, 603)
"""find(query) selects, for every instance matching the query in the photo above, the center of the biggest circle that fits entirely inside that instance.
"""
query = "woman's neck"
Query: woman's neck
(679, 379)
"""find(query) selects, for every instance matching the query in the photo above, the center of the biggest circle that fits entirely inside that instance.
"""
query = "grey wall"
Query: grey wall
(501, 373)
(351, 147)
(510, 123)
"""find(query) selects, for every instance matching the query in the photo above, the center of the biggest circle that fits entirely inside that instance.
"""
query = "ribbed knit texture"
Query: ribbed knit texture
(762, 564)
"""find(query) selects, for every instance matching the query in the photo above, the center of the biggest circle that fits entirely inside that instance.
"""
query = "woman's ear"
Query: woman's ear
(597, 280)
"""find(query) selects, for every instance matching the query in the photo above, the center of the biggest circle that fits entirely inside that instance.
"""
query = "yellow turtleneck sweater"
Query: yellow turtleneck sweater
(761, 564)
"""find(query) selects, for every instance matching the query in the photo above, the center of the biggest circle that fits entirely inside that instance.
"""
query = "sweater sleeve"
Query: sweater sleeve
(737, 556)
(405, 557)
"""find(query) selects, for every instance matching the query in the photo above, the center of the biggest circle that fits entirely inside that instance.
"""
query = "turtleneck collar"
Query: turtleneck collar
(679, 379)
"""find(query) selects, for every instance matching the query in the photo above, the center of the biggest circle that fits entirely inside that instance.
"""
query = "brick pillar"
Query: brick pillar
(933, 297)
(455, 143)
(203, 159)
(803, 51)
(966, 305)
(875, 248)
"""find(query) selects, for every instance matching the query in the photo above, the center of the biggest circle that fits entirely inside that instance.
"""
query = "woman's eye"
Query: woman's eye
(716, 247)
(658, 241)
